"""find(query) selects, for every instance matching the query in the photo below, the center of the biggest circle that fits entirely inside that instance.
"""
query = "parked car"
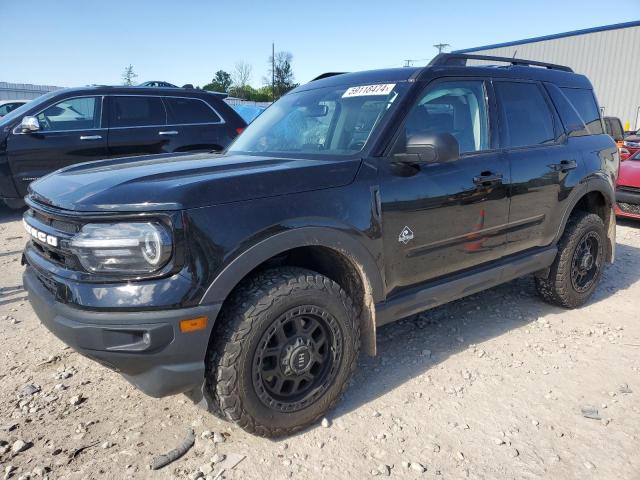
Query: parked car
(82, 124)
(613, 128)
(250, 279)
(628, 188)
(632, 143)
(248, 112)
(157, 83)
(7, 106)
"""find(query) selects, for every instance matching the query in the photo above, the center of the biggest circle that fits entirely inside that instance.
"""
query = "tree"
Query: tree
(129, 76)
(241, 75)
(220, 82)
(281, 73)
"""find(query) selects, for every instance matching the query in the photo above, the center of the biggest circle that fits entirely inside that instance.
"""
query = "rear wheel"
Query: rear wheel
(576, 271)
(284, 353)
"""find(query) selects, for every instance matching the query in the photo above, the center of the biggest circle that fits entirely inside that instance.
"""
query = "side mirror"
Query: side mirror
(430, 148)
(29, 124)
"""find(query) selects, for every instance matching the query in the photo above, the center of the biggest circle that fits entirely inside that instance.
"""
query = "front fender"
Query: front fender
(281, 242)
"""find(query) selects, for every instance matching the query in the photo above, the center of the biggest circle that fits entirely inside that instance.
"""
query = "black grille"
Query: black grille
(60, 225)
(629, 208)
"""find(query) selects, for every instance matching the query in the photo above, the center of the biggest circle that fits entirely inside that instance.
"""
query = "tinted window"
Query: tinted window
(136, 112)
(458, 108)
(189, 110)
(526, 116)
(72, 114)
(573, 123)
(585, 104)
(613, 127)
(8, 107)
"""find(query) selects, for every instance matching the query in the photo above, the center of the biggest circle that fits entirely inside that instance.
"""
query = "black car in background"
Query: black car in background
(90, 123)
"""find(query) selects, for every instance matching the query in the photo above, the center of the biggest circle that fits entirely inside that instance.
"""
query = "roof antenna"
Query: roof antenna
(514, 53)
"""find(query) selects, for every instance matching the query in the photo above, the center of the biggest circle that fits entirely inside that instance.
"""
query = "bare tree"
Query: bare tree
(129, 76)
(241, 75)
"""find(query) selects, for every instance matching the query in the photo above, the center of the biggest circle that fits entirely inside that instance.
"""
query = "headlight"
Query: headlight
(122, 247)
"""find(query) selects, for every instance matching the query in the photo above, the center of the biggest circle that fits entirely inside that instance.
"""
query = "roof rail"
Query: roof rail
(460, 59)
(327, 75)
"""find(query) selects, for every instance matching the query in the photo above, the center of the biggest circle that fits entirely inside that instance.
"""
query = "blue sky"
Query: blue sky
(71, 42)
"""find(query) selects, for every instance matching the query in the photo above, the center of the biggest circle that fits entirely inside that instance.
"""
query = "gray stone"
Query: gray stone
(29, 389)
(20, 446)
(418, 467)
(325, 423)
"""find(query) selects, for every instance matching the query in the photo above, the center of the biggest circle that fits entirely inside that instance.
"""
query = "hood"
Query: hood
(629, 174)
(632, 138)
(185, 181)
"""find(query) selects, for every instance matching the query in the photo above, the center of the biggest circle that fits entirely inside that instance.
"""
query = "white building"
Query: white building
(609, 56)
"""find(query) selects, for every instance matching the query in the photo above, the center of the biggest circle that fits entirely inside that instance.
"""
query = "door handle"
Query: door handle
(486, 179)
(168, 132)
(91, 137)
(564, 166)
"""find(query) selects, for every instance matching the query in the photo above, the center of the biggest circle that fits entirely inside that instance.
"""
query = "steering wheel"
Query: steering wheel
(356, 145)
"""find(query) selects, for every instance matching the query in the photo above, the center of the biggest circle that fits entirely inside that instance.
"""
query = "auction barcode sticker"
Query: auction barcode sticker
(365, 90)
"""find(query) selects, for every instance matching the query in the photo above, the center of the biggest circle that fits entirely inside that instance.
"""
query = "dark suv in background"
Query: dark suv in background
(82, 124)
(250, 279)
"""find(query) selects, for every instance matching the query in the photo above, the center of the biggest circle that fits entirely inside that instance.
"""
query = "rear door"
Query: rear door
(138, 126)
(193, 124)
(543, 165)
(70, 132)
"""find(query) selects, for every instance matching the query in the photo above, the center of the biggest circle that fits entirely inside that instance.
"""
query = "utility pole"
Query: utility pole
(441, 46)
(273, 72)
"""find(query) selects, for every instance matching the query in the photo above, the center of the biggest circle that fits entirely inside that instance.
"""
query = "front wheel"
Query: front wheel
(285, 350)
(576, 271)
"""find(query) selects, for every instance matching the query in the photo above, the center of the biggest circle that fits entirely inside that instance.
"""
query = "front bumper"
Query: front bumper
(628, 203)
(146, 347)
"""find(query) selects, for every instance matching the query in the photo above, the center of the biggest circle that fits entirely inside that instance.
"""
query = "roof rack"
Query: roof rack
(460, 59)
(327, 75)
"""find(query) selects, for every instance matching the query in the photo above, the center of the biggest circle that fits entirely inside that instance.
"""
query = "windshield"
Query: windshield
(22, 110)
(330, 121)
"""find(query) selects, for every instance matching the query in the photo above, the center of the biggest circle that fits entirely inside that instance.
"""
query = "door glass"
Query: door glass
(526, 116)
(73, 114)
(189, 110)
(458, 108)
(136, 112)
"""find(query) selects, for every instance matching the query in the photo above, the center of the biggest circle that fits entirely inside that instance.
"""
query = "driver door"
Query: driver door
(70, 132)
(442, 218)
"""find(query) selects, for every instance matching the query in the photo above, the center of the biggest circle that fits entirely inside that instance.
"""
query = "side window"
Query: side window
(189, 110)
(585, 104)
(133, 111)
(73, 114)
(573, 123)
(526, 118)
(458, 108)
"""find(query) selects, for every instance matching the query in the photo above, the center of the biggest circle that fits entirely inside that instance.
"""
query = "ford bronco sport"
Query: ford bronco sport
(250, 279)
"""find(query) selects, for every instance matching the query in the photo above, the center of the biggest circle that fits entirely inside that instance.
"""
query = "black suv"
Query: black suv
(250, 279)
(82, 124)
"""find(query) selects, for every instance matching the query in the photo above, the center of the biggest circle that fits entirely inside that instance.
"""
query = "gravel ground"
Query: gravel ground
(497, 385)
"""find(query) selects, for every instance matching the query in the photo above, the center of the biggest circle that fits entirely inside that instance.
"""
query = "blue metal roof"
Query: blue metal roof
(617, 26)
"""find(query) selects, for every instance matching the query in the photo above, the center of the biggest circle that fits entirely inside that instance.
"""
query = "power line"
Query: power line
(441, 46)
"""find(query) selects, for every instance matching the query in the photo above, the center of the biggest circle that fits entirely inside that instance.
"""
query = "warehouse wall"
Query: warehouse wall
(609, 58)
(23, 91)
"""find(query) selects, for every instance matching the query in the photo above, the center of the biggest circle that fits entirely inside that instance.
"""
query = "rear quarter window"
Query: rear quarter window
(585, 104)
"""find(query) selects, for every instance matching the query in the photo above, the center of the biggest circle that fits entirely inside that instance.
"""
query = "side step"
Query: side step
(440, 292)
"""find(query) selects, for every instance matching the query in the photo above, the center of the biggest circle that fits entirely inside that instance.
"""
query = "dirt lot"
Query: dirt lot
(498, 385)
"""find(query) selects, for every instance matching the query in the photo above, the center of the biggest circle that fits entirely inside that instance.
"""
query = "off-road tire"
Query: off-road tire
(557, 288)
(253, 309)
